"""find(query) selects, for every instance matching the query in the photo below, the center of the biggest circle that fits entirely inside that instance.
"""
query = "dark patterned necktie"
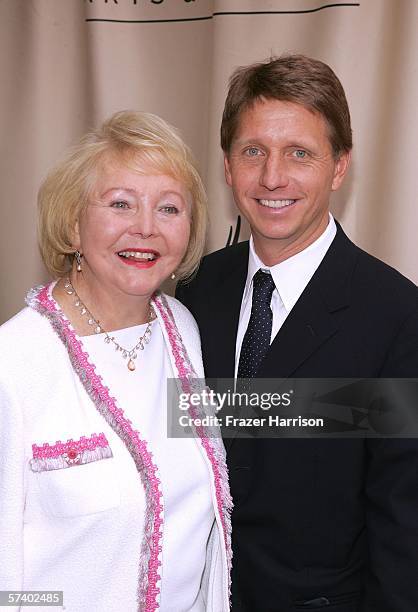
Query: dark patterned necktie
(257, 337)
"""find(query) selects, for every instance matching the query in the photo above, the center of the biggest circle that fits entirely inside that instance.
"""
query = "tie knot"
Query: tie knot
(263, 284)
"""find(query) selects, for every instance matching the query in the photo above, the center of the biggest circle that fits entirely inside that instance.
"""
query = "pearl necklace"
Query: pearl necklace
(130, 354)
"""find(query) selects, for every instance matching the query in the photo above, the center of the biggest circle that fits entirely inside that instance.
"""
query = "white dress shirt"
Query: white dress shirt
(290, 276)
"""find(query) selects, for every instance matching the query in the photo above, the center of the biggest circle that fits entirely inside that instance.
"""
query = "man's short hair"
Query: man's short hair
(289, 78)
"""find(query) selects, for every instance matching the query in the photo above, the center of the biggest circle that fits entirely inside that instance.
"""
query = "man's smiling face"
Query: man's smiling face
(282, 171)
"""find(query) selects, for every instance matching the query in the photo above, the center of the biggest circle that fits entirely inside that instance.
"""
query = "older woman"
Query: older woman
(96, 500)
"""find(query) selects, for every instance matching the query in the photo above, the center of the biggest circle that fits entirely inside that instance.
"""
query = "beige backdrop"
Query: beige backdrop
(68, 64)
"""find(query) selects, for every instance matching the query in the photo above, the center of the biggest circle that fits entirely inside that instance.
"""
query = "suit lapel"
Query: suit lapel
(307, 327)
(314, 317)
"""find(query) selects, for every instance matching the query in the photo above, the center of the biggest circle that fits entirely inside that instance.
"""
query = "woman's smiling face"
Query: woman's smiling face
(134, 231)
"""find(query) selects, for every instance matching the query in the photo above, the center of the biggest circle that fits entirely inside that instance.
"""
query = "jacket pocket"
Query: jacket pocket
(76, 478)
(62, 455)
(345, 602)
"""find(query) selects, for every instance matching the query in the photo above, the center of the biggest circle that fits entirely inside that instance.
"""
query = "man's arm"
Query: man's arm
(391, 493)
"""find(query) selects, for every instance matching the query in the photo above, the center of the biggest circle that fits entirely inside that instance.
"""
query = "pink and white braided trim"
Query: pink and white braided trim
(83, 444)
(62, 455)
(213, 446)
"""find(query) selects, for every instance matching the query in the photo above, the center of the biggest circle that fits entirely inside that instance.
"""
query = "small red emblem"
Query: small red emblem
(71, 456)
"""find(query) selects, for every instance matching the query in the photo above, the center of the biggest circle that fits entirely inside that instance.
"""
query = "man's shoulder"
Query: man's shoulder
(379, 275)
(367, 266)
(216, 267)
(371, 280)
(230, 255)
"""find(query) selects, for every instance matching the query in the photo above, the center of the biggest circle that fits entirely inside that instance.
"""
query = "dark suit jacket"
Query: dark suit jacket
(318, 524)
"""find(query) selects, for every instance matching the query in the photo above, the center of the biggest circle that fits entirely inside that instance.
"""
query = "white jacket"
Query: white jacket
(73, 537)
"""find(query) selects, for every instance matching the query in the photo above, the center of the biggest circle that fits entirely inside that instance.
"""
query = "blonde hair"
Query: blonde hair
(131, 136)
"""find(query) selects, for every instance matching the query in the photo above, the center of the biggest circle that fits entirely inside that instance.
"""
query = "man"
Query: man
(317, 523)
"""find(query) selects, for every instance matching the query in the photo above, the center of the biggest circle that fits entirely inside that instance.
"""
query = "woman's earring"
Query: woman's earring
(173, 276)
(78, 257)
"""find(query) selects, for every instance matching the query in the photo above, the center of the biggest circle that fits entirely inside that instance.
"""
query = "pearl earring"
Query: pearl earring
(173, 276)
(78, 257)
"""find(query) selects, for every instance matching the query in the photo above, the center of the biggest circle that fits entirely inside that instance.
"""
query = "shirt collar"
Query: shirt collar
(293, 274)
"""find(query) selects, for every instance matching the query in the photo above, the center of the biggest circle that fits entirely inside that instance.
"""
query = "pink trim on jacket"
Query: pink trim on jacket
(63, 455)
(54, 450)
(213, 446)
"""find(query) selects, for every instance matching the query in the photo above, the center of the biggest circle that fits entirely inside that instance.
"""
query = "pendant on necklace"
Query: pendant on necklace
(131, 365)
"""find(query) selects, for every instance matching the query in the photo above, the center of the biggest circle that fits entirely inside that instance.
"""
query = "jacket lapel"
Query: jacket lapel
(304, 331)
(314, 317)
